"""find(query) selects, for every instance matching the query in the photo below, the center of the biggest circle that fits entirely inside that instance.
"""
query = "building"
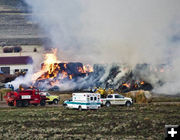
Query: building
(35, 52)
(16, 64)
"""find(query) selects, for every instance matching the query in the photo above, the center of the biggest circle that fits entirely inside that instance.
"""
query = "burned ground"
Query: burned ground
(118, 122)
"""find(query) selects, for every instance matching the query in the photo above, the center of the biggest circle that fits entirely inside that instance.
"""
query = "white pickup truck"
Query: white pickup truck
(116, 99)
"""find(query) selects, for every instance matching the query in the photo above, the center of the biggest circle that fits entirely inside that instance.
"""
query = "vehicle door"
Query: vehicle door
(91, 100)
(111, 99)
(119, 99)
(35, 95)
(47, 96)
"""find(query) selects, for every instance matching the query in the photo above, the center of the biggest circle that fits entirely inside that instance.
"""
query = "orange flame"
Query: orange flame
(88, 68)
(65, 65)
(126, 85)
(51, 69)
(70, 76)
(81, 70)
(142, 82)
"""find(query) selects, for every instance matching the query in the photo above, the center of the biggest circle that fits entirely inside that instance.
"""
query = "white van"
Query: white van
(84, 101)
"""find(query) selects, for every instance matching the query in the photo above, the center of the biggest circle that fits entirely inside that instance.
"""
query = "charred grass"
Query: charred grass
(118, 122)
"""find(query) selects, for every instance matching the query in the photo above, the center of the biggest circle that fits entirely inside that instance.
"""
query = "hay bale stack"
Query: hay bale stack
(4, 78)
(139, 96)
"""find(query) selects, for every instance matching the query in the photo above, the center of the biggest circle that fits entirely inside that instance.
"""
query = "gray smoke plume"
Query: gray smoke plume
(116, 31)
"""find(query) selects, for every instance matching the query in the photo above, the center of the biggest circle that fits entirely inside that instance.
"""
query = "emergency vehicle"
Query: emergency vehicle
(83, 101)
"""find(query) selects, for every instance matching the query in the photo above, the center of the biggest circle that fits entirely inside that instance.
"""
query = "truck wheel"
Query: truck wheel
(80, 108)
(55, 101)
(128, 103)
(10, 104)
(108, 104)
(65, 105)
(18, 103)
(25, 103)
(42, 102)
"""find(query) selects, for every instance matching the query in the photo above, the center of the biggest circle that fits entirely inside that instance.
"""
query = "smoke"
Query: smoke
(116, 31)
(26, 80)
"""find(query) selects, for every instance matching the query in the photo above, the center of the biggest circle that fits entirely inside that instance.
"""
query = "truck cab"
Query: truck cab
(116, 99)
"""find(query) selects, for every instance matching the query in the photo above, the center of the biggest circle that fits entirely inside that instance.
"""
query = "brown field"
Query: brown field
(141, 121)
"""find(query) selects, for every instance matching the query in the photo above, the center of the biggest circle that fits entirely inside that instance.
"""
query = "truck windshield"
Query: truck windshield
(109, 96)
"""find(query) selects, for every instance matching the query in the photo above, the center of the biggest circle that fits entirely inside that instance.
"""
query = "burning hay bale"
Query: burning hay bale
(139, 96)
(58, 75)
(54, 73)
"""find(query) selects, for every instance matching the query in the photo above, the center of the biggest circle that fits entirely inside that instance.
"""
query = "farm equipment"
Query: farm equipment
(24, 98)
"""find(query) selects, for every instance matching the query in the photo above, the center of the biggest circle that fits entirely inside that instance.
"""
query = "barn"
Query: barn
(15, 64)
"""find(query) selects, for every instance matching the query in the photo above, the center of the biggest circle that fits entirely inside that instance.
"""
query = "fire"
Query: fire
(70, 76)
(126, 85)
(81, 70)
(142, 82)
(85, 69)
(88, 68)
(54, 70)
(65, 65)
(47, 67)
(64, 75)
(50, 60)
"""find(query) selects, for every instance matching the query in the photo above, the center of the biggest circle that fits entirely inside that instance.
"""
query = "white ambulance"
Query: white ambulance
(83, 101)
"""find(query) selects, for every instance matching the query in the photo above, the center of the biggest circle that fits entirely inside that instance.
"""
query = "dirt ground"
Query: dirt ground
(140, 121)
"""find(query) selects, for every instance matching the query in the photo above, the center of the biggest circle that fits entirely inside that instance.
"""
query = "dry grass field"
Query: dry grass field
(141, 121)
